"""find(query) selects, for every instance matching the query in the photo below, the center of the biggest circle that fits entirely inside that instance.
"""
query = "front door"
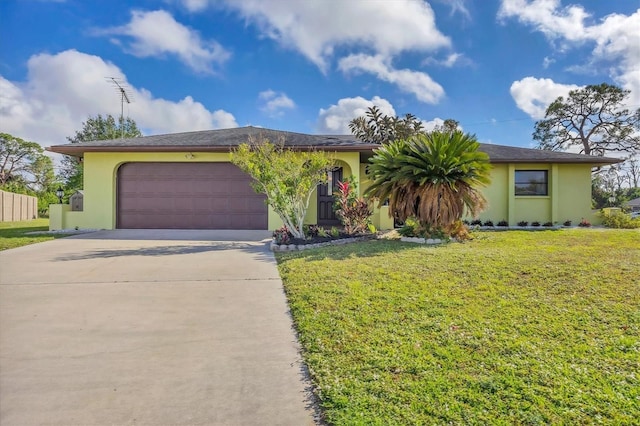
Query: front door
(326, 215)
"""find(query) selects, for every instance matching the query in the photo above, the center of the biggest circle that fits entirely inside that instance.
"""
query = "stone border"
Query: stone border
(429, 241)
(295, 247)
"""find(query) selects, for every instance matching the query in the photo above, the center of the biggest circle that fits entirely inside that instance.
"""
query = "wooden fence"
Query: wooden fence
(15, 207)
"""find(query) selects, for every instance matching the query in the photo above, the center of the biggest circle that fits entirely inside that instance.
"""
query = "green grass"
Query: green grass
(13, 234)
(510, 328)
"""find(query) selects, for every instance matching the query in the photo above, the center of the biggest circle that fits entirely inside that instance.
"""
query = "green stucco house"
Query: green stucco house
(185, 181)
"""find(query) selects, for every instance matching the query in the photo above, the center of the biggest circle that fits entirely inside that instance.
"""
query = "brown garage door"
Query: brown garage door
(187, 196)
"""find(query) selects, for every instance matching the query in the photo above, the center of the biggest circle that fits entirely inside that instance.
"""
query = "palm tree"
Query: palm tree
(431, 177)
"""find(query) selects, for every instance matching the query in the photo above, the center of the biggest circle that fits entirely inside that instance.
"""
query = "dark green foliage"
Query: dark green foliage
(435, 178)
(94, 129)
(376, 127)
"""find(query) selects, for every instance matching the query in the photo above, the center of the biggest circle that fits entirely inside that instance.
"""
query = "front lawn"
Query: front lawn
(510, 328)
(14, 234)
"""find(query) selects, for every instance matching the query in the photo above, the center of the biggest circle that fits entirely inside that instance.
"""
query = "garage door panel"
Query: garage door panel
(188, 196)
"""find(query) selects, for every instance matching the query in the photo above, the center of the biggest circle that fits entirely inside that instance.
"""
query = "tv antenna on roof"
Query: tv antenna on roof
(124, 97)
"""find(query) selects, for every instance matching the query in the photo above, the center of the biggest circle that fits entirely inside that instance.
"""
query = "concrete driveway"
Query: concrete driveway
(148, 327)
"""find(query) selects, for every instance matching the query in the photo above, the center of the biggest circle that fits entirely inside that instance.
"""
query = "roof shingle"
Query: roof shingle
(222, 140)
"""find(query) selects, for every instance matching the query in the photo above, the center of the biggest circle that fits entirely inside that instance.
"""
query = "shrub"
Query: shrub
(488, 223)
(503, 223)
(459, 231)
(413, 228)
(584, 223)
(523, 223)
(286, 177)
(322, 232)
(535, 223)
(410, 228)
(476, 222)
(312, 231)
(354, 213)
(567, 223)
(620, 220)
(548, 224)
(282, 235)
(334, 232)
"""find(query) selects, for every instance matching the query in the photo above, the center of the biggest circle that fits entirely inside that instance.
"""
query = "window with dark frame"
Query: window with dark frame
(532, 182)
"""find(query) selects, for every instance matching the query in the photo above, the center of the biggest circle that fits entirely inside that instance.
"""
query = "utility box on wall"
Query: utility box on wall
(77, 201)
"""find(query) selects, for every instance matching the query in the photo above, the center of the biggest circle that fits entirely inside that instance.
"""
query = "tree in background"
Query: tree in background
(25, 169)
(433, 177)
(632, 168)
(376, 127)
(94, 129)
(448, 126)
(592, 118)
(287, 178)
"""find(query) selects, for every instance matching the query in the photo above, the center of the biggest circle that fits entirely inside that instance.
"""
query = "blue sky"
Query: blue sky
(307, 66)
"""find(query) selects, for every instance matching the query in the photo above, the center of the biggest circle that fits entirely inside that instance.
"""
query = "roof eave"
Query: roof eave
(80, 150)
(596, 161)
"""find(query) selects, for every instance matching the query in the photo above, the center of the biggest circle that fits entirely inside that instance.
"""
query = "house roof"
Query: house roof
(223, 140)
(634, 203)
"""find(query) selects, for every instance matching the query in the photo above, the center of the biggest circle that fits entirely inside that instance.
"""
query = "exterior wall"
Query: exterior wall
(569, 192)
(100, 174)
(381, 217)
(17, 207)
(497, 194)
(569, 195)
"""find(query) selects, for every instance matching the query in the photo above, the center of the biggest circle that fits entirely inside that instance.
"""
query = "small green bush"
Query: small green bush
(620, 220)
(412, 228)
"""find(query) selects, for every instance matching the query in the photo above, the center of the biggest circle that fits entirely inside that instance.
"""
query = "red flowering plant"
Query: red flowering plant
(354, 212)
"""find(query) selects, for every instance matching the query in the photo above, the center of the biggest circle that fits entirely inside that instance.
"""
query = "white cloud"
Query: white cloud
(409, 81)
(457, 6)
(547, 61)
(195, 5)
(451, 60)
(533, 95)
(157, 33)
(274, 103)
(336, 118)
(64, 89)
(317, 28)
(615, 37)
